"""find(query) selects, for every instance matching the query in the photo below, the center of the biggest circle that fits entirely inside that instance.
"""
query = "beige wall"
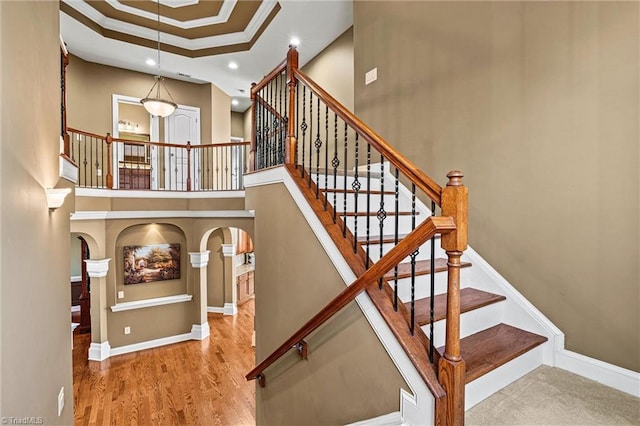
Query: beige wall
(90, 87)
(294, 280)
(537, 102)
(215, 270)
(220, 116)
(35, 353)
(237, 124)
(333, 69)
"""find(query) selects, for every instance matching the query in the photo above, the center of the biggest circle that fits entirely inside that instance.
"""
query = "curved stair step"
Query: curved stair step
(470, 299)
(489, 349)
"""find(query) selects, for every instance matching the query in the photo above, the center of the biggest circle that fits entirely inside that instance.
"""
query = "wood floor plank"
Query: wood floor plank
(193, 382)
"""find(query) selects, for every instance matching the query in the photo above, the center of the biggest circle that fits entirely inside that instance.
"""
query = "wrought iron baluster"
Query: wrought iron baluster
(432, 286)
(318, 145)
(395, 239)
(382, 214)
(344, 198)
(303, 126)
(326, 155)
(335, 163)
(355, 185)
(368, 217)
(310, 168)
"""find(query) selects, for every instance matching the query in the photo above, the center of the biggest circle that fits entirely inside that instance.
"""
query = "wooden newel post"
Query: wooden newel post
(451, 366)
(252, 149)
(109, 174)
(188, 166)
(292, 67)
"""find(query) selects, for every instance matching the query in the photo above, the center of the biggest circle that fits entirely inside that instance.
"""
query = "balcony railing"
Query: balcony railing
(113, 163)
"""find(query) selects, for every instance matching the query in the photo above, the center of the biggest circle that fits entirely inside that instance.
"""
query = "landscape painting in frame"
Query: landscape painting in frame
(154, 262)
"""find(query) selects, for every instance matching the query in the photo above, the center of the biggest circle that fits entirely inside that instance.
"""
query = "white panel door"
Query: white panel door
(181, 127)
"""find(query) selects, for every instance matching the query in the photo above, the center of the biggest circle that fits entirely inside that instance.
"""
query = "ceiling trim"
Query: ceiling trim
(206, 46)
(180, 13)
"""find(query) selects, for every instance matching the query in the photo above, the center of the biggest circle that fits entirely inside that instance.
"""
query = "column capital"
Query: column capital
(199, 259)
(97, 268)
(228, 250)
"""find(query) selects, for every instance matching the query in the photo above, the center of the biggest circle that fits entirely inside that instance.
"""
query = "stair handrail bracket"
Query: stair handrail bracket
(366, 195)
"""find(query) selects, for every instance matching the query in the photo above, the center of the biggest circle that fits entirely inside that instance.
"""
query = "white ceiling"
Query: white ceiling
(315, 23)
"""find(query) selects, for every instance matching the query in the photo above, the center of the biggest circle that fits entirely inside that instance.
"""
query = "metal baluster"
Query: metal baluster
(318, 145)
(297, 121)
(368, 217)
(303, 126)
(413, 258)
(382, 214)
(433, 286)
(397, 219)
(310, 168)
(335, 163)
(344, 198)
(326, 155)
(356, 191)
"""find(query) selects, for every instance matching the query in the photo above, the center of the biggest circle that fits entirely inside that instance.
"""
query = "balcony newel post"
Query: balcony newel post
(109, 140)
(188, 166)
(292, 67)
(451, 366)
(252, 149)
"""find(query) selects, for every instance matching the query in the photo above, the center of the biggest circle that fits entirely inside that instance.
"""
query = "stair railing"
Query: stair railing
(353, 179)
(174, 167)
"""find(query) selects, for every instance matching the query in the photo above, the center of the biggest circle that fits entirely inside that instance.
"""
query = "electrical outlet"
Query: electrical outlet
(127, 330)
(60, 401)
(121, 295)
(371, 76)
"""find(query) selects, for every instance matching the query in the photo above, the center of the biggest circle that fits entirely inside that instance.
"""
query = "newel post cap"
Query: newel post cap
(455, 178)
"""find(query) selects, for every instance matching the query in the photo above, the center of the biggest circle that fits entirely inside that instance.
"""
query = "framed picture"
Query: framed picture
(153, 262)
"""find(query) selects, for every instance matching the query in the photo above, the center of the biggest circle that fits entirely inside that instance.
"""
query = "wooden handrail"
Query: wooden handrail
(417, 176)
(267, 78)
(427, 229)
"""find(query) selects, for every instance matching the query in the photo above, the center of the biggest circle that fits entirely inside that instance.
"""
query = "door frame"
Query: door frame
(195, 177)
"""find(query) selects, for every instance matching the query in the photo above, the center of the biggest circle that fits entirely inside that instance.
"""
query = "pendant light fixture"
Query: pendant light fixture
(156, 105)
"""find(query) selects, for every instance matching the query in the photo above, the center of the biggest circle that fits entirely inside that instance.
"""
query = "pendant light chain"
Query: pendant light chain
(158, 1)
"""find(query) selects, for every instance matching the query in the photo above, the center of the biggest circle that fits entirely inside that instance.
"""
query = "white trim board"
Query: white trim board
(227, 309)
(151, 344)
(160, 214)
(114, 193)
(146, 303)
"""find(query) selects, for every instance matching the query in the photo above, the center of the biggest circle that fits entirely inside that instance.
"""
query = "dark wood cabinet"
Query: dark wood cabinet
(135, 178)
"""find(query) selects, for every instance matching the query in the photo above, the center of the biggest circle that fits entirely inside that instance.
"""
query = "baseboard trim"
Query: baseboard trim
(200, 331)
(227, 309)
(151, 344)
(99, 351)
(391, 419)
(602, 372)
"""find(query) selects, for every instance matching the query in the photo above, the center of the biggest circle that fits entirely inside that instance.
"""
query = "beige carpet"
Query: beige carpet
(551, 396)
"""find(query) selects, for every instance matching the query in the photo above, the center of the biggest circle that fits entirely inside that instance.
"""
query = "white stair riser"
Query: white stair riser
(485, 386)
(389, 226)
(470, 322)
(374, 202)
(339, 183)
(424, 253)
(423, 285)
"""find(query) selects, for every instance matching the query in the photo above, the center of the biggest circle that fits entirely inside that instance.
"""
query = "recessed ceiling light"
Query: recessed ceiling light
(233, 65)
(295, 41)
(234, 102)
(151, 62)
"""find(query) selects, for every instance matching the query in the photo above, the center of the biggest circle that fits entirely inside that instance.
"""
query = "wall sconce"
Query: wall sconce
(56, 196)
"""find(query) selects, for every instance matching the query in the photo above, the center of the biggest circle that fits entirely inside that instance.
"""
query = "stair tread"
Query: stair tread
(487, 350)
(390, 238)
(470, 299)
(423, 267)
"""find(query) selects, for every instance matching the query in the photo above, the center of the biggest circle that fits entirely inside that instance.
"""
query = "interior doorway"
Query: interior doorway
(80, 286)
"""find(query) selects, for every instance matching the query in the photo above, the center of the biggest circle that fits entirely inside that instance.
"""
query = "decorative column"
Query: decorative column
(230, 290)
(199, 260)
(97, 269)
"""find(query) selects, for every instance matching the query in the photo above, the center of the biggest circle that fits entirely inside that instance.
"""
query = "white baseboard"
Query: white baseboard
(200, 331)
(99, 351)
(391, 419)
(151, 344)
(608, 374)
(227, 309)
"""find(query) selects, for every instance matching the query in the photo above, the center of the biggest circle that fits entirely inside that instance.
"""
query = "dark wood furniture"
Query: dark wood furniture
(134, 178)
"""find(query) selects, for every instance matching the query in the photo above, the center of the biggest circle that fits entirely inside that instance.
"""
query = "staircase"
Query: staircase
(465, 331)
(496, 352)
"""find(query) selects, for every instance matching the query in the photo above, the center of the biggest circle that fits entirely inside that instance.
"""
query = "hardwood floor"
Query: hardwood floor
(194, 382)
